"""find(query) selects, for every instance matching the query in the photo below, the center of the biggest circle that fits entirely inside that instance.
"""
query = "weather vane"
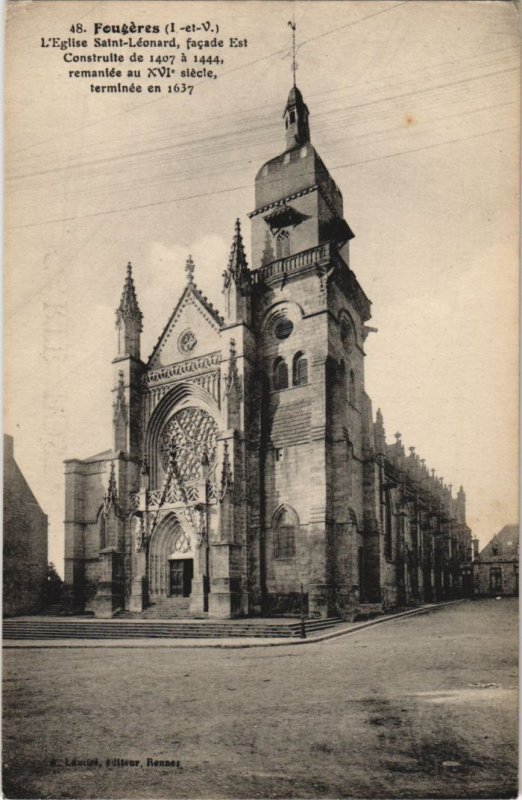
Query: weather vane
(294, 64)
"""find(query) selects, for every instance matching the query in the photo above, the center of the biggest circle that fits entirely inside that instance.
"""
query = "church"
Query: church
(247, 473)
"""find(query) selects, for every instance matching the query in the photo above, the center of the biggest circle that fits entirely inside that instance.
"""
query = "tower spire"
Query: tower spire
(294, 64)
(296, 112)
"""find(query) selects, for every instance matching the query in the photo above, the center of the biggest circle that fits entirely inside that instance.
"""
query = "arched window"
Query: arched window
(292, 117)
(388, 524)
(282, 244)
(347, 334)
(280, 374)
(300, 370)
(353, 393)
(285, 526)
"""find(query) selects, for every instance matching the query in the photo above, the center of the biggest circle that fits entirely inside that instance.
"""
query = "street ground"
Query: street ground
(423, 706)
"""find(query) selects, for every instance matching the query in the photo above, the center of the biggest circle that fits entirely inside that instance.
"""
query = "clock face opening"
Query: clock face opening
(283, 328)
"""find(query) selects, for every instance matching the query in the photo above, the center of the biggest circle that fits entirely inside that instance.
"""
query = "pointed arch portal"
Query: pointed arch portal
(171, 559)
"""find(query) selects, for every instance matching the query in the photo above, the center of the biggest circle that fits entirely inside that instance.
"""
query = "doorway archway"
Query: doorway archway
(171, 559)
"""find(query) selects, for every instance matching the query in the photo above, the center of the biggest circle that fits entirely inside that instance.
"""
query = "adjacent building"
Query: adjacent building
(24, 542)
(496, 566)
(247, 470)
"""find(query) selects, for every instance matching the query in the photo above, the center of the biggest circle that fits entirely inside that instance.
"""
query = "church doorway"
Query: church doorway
(181, 572)
(171, 559)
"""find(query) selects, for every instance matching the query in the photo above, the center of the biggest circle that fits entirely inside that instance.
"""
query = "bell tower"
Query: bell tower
(310, 316)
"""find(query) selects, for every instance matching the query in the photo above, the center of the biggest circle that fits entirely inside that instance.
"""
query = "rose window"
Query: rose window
(187, 342)
(191, 435)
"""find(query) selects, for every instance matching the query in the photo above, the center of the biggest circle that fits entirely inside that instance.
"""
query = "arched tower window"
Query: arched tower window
(347, 334)
(388, 524)
(280, 374)
(352, 391)
(300, 370)
(285, 526)
(282, 244)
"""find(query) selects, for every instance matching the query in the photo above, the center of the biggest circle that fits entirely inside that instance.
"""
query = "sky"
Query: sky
(413, 108)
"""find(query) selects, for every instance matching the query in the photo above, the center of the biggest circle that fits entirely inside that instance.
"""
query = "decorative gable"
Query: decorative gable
(192, 330)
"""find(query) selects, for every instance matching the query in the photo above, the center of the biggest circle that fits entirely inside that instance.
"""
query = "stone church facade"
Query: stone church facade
(247, 471)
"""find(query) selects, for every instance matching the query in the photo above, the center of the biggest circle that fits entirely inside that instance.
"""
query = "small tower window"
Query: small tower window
(300, 370)
(347, 334)
(280, 374)
(292, 117)
(283, 244)
(285, 526)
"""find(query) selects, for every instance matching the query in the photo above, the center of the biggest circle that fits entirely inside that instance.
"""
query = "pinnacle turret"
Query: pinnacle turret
(110, 499)
(237, 262)
(379, 433)
(129, 319)
(236, 280)
(129, 308)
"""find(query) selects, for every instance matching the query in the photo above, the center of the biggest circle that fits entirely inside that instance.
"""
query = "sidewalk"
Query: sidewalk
(343, 629)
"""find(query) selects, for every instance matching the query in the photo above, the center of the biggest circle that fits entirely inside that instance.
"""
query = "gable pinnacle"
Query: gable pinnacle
(129, 308)
(111, 495)
(227, 479)
(237, 262)
(120, 406)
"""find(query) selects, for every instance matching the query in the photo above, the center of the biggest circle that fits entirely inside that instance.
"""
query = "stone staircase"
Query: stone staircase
(165, 608)
(83, 628)
(54, 610)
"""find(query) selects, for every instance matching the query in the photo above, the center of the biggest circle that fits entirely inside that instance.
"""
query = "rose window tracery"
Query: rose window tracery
(187, 342)
(191, 435)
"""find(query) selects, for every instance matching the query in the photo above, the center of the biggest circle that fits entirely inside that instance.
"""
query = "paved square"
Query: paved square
(420, 707)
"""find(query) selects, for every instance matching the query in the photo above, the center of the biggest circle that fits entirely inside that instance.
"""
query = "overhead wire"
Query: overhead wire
(238, 115)
(235, 164)
(246, 186)
(217, 137)
(192, 135)
(222, 74)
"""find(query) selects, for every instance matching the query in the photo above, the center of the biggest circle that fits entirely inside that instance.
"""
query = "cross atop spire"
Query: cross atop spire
(189, 269)
(294, 63)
